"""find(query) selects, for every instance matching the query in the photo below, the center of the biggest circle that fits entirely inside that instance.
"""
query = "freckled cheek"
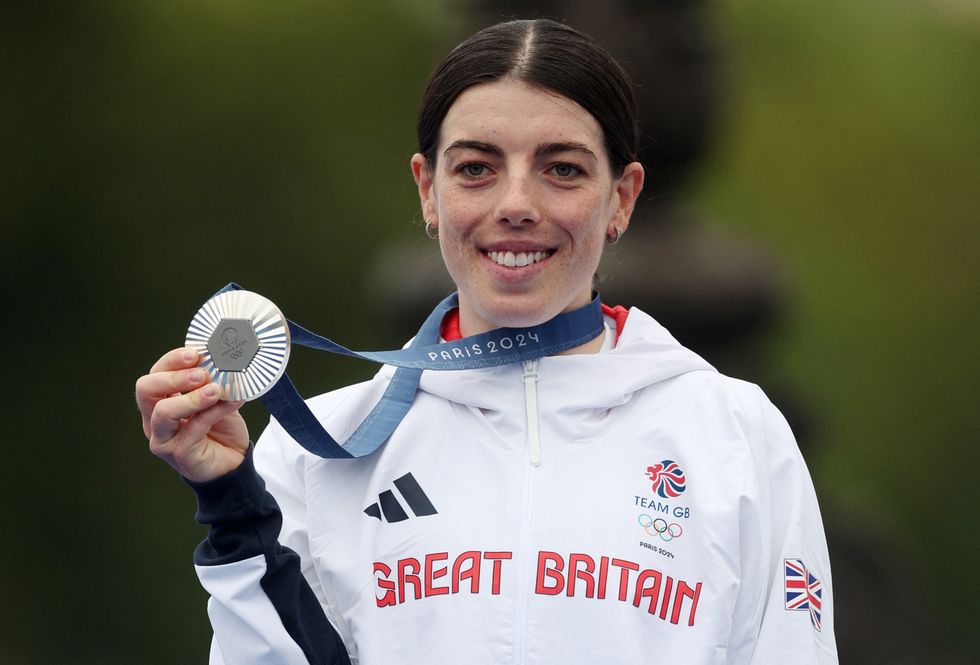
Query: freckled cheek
(577, 215)
(460, 213)
(583, 228)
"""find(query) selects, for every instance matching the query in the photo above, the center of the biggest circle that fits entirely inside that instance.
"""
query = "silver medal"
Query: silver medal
(243, 340)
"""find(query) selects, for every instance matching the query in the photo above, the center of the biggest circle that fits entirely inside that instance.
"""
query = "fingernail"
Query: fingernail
(211, 390)
(189, 355)
(196, 376)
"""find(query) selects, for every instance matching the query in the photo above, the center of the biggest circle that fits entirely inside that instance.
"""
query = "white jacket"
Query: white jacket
(628, 506)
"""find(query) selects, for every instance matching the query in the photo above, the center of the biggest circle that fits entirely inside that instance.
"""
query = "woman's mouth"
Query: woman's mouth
(510, 259)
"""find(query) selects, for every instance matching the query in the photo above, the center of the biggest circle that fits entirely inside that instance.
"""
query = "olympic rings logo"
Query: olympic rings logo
(660, 527)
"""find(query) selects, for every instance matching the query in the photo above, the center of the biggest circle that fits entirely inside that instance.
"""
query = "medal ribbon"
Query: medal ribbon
(496, 347)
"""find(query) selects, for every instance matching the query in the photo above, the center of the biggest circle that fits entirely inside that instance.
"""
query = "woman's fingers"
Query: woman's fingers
(209, 422)
(209, 444)
(187, 424)
(164, 383)
(152, 388)
(176, 359)
(169, 413)
(175, 372)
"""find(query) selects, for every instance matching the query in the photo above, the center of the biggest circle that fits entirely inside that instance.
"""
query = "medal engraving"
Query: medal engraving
(243, 340)
(233, 344)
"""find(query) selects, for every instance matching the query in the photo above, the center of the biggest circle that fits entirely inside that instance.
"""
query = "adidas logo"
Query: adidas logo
(392, 510)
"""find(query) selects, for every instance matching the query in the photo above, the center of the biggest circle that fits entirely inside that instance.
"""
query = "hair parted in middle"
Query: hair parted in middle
(543, 53)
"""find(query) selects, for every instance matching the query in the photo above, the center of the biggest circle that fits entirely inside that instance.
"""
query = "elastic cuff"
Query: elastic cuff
(235, 496)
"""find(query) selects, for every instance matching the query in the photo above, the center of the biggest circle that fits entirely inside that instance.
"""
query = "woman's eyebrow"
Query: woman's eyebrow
(543, 150)
(548, 149)
(480, 146)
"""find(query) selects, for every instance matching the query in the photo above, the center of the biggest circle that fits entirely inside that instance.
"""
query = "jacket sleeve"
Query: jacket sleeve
(785, 611)
(262, 608)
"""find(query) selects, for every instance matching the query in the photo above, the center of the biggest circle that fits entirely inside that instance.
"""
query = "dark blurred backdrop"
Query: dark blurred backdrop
(151, 152)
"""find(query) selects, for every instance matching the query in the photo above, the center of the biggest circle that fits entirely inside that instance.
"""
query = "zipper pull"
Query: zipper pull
(531, 409)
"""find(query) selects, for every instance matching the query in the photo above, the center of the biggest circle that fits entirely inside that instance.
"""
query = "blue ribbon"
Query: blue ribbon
(496, 347)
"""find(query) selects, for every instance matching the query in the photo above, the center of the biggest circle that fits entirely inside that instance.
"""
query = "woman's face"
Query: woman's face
(523, 197)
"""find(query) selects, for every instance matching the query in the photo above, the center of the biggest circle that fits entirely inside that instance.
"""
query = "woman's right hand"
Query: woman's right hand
(187, 425)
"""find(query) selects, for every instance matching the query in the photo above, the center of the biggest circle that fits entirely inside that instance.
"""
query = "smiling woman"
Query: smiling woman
(523, 196)
(617, 500)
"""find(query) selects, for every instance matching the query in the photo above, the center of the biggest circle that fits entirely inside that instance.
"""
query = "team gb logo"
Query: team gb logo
(667, 478)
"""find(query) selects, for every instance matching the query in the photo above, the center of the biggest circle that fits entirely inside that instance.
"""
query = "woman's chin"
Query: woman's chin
(508, 312)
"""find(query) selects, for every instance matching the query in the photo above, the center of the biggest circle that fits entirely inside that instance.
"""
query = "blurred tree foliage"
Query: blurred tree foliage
(853, 147)
(153, 151)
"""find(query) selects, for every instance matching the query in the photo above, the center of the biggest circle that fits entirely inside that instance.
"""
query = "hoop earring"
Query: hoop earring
(613, 241)
(431, 230)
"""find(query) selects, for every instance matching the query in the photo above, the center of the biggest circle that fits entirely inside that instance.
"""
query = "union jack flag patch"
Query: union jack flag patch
(804, 591)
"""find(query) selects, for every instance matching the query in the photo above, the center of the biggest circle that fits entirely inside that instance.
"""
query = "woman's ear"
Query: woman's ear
(627, 190)
(423, 180)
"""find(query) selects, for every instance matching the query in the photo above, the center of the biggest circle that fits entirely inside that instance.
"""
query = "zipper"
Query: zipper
(526, 567)
(531, 403)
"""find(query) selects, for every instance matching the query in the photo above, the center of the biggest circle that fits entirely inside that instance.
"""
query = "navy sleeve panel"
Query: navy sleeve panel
(245, 522)
(242, 515)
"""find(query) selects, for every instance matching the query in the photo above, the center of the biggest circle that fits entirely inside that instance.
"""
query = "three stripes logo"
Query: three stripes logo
(391, 509)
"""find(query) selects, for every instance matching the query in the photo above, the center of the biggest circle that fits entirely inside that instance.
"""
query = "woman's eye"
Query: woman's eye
(566, 171)
(474, 170)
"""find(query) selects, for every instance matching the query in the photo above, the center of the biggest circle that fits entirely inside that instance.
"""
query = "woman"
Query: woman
(618, 503)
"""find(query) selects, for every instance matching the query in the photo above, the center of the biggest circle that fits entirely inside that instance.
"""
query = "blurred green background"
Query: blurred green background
(151, 152)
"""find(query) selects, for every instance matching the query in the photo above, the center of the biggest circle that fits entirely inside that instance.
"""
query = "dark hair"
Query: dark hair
(543, 53)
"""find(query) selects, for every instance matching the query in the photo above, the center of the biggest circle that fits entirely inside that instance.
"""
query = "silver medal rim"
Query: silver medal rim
(271, 329)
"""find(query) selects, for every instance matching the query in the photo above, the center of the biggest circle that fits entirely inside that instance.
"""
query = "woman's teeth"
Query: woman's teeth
(518, 260)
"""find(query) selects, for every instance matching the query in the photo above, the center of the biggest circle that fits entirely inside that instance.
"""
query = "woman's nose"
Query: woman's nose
(517, 204)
